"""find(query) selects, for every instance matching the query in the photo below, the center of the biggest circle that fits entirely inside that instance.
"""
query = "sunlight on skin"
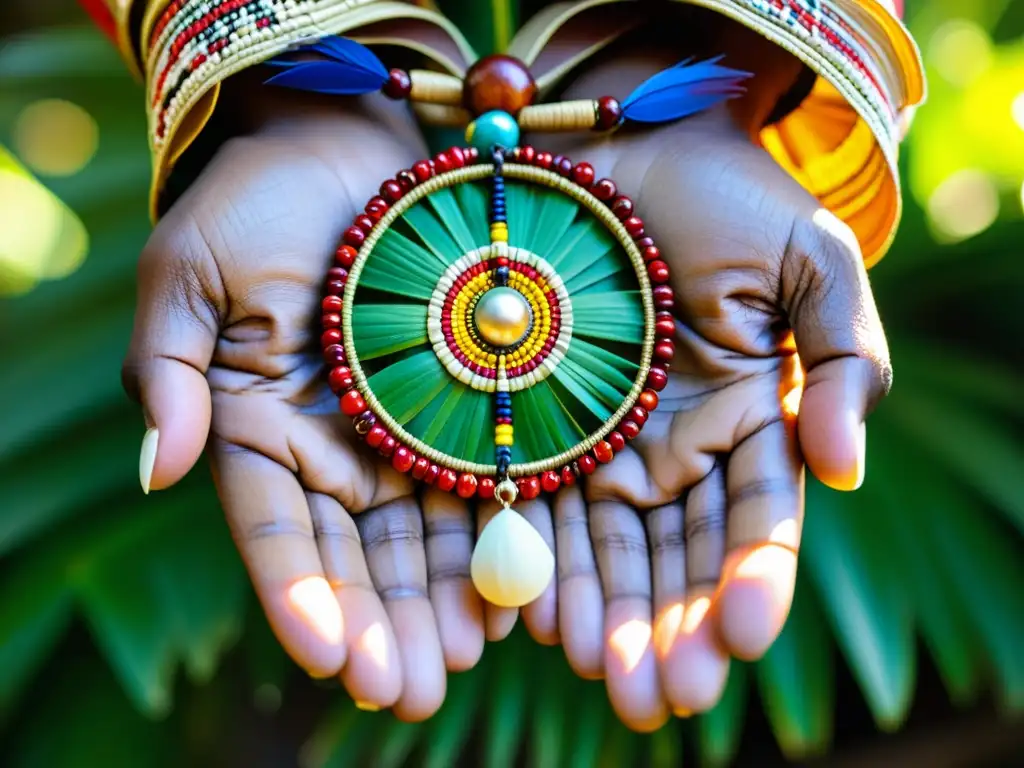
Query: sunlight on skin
(374, 642)
(630, 641)
(314, 600)
(695, 615)
(666, 627)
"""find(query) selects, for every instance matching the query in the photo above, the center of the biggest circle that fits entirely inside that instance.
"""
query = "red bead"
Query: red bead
(364, 222)
(387, 446)
(663, 298)
(403, 459)
(329, 337)
(603, 452)
(377, 204)
(498, 82)
(432, 473)
(664, 325)
(406, 180)
(657, 379)
(466, 486)
(485, 488)
(664, 349)
(568, 477)
(622, 207)
(587, 465)
(391, 190)
(562, 165)
(648, 399)
(644, 242)
(527, 155)
(419, 469)
(550, 482)
(345, 256)
(617, 441)
(340, 379)
(331, 320)
(583, 174)
(457, 156)
(605, 190)
(544, 159)
(652, 253)
(447, 479)
(471, 153)
(629, 429)
(529, 487)
(376, 436)
(335, 287)
(639, 415)
(364, 422)
(442, 162)
(422, 170)
(331, 304)
(352, 403)
(335, 355)
(337, 273)
(399, 84)
(634, 226)
(609, 113)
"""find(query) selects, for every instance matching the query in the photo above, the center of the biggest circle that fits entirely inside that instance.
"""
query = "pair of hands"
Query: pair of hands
(676, 556)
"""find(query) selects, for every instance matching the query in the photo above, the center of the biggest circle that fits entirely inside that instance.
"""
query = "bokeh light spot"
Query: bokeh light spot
(960, 51)
(55, 137)
(963, 205)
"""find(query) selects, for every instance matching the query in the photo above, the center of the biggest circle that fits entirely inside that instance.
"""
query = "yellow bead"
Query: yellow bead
(503, 429)
(503, 440)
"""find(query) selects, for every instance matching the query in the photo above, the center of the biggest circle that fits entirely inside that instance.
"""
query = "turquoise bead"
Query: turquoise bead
(493, 129)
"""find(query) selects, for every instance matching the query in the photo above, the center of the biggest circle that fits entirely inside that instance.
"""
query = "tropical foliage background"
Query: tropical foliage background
(128, 633)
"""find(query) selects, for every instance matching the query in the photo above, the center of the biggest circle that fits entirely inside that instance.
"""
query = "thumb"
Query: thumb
(841, 345)
(176, 325)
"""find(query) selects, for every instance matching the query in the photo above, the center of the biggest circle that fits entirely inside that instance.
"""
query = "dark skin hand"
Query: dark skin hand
(687, 543)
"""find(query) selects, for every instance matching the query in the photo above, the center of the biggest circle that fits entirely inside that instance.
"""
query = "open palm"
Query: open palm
(227, 328)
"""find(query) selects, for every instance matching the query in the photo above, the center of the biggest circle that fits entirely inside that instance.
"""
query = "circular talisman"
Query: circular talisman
(498, 325)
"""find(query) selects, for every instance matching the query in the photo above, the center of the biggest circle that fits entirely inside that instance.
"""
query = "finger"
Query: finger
(392, 536)
(630, 665)
(269, 518)
(764, 481)
(176, 326)
(458, 607)
(372, 674)
(580, 599)
(841, 343)
(694, 667)
(541, 616)
(498, 621)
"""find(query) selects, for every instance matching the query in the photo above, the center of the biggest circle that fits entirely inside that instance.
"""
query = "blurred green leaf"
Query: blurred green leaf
(720, 730)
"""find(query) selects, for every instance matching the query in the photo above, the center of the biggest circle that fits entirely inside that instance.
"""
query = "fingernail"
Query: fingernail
(367, 706)
(147, 457)
(682, 712)
(314, 599)
(861, 437)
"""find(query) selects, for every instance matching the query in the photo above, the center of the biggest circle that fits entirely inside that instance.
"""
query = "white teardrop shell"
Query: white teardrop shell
(512, 565)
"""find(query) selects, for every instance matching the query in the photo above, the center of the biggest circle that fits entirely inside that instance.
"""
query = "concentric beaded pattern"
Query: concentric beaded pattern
(457, 339)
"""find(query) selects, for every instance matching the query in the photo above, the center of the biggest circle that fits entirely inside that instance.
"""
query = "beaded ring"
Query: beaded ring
(498, 322)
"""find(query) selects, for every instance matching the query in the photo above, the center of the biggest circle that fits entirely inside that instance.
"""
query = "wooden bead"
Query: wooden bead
(550, 482)
(609, 113)
(466, 487)
(435, 87)
(498, 82)
(603, 452)
(648, 399)
(352, 403)
(399, 84)
(403, 459)
(447, 479)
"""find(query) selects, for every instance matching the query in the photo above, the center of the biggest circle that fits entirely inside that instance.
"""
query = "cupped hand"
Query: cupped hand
(225, 357)
(690, 536)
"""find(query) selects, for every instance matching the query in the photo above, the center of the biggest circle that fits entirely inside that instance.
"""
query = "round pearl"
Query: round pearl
(493, 129)
(502, 317)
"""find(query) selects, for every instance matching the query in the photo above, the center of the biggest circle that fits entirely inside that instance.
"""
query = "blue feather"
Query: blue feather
(350, 69)
(683, 90)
